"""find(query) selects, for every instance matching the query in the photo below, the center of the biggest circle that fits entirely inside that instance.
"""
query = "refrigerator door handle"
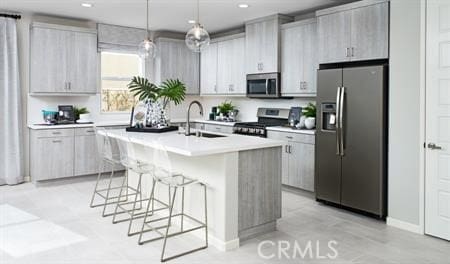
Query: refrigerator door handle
(341, 120)
(338, 145)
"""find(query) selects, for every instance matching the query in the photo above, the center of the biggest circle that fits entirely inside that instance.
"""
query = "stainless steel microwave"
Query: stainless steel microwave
(265, 85)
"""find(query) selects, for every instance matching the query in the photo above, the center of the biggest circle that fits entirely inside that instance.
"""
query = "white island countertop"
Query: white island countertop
(195, 146)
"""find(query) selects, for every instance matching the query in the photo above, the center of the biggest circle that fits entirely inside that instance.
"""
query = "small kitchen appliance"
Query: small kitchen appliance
(265, 85)
(66, 114)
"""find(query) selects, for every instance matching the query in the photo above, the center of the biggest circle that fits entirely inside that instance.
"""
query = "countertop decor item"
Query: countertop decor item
(197, 38)
(310, 113)
(80, 111)
(226, 107)
(156, 99)
(147, 49)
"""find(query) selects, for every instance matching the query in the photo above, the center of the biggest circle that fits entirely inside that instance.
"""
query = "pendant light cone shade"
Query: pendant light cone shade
(147, 49)
(197, 38)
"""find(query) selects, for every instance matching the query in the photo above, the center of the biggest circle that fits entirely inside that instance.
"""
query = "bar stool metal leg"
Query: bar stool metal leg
(100, 170)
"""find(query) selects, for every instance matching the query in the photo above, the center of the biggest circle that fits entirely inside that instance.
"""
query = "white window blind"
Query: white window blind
(118, 38)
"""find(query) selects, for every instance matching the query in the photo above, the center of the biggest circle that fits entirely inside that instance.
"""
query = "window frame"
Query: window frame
(112, 78)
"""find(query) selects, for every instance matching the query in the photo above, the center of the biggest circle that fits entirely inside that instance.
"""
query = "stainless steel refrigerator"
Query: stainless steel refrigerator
(351, 141)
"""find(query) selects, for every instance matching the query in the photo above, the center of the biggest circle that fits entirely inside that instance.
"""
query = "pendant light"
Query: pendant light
(197, 38)
(147, 49)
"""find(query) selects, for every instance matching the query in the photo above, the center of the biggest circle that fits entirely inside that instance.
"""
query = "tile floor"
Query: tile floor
(75, 233)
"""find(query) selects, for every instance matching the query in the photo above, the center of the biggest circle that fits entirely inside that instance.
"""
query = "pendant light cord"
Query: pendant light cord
(198, 12)
(148, 35)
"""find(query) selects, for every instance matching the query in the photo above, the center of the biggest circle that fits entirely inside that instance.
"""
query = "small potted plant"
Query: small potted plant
(81, 114)
(310, 113)
(225, 108)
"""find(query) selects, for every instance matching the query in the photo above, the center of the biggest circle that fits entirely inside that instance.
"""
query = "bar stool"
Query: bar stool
(108, 152)
(165, 175)
(128, 158)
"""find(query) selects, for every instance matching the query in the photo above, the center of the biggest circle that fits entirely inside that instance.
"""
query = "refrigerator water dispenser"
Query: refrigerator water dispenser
(328, 116)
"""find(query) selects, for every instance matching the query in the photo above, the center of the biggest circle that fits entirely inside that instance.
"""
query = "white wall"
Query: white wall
(406, 102)
(247, 107)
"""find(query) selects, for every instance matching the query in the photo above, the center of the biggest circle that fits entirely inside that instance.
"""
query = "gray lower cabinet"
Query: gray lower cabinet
(297, 159)
(86, 158)
(61, 153)
(218, 128)
(354, 32)
(63, 60)
(51, 154)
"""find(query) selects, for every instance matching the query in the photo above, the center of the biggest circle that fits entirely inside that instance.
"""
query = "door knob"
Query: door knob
(433, 146)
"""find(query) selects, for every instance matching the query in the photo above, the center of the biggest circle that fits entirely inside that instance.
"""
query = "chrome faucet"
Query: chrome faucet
(187, 132)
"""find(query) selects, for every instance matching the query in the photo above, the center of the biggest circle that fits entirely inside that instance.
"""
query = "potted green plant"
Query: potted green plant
(169, 91)
(225, 108)
(157, 98)
(310, 113)
(81, 113)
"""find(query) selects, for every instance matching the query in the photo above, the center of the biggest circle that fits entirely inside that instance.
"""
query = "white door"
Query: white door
(437, 193)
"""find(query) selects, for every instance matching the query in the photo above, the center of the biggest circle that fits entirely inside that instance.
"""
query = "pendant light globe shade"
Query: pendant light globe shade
(197, 38)
(147, 49)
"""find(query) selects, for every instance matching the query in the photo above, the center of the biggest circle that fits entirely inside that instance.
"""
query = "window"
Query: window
(117, 69)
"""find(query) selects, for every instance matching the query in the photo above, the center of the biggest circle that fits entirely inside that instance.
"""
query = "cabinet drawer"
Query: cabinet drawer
(47, 133)
(296, 137)
(85, 131)
(218, 128)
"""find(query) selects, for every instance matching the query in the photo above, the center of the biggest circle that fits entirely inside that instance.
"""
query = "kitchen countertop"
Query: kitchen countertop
(290, 130)
(100, 124)
(195, 146)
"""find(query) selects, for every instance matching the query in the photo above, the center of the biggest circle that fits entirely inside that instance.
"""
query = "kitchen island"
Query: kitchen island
(242, 174)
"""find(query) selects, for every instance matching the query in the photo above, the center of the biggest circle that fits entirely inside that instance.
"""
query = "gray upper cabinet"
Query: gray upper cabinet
(334, 37)
(370, 32)
(208, 70)
(176, 61)
(231, 65)
(223, 67)
(63, 60)
(262, 44)
(299, 60)
(354, 32)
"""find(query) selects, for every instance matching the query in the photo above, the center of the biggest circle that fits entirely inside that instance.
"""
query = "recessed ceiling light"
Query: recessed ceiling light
(191, 21)
(243, 5)
(86, 4)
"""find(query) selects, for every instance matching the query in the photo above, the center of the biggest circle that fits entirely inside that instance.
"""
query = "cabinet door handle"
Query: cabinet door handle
(286, 148)
(289, 137)
(90, 131)
(290, 149)
(347, 52)
(57, 141)
(353, 52)
(215, 88)
(70, 86)
(56, 133)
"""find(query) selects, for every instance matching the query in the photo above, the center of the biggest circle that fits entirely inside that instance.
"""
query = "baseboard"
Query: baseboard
(404, 225)
(223, 246)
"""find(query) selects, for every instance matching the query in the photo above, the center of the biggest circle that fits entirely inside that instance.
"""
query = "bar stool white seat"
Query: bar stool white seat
(108, 152)
(139, 167)
(165, 175)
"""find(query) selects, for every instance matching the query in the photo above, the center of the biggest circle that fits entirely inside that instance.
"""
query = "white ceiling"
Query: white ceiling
(173, 15)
